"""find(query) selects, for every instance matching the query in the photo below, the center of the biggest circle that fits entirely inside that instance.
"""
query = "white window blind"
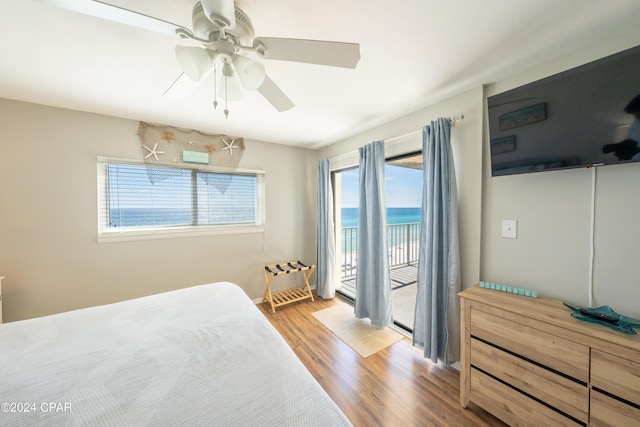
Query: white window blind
(138, 199)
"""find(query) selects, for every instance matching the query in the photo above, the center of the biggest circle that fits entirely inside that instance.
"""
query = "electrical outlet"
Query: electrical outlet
(510, 228)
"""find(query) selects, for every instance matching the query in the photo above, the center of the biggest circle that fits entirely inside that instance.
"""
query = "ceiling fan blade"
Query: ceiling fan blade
(182, 87)
(335, 54)
(275, 95)
(113, 13)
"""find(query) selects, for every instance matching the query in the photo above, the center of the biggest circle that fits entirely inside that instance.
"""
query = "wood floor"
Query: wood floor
(395, 387)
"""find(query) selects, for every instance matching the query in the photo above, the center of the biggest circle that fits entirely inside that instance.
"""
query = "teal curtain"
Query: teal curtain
(373, 287)
(326, 265)
(437, 325)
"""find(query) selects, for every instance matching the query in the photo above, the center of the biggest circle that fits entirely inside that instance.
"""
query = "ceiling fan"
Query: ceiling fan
(226, 38)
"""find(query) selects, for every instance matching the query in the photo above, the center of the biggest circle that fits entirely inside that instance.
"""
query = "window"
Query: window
(142, 200)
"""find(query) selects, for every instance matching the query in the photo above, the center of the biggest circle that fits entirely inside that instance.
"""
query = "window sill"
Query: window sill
(175, 232)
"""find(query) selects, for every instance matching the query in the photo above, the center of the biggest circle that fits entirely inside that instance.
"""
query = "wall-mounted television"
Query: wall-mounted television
(573, 119)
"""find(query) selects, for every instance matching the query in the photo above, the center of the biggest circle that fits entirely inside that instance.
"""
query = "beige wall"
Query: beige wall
(48, 218)
(466, 140)
(553, 210)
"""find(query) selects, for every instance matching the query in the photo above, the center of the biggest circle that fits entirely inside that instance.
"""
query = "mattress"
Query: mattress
(204, 355)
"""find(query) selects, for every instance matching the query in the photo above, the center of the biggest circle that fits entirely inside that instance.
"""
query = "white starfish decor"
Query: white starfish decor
(153, 151)
(230, 146)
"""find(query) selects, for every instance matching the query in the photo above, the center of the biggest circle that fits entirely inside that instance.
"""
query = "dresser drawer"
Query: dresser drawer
(616, 375)
(558, 391)
(606, 411)
(515, 409)
(557, 353)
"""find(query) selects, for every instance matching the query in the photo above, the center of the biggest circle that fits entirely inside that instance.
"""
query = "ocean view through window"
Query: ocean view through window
(403, 184)
(403, 197)
(142, 198)
(402, 215)
(403, 194)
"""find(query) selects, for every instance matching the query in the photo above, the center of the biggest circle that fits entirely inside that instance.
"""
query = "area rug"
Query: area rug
(356, 333)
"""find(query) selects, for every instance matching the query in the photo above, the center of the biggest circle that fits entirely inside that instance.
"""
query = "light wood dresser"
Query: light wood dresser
(529, 363)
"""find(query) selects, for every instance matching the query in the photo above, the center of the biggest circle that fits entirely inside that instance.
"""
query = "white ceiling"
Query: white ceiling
(414, 52)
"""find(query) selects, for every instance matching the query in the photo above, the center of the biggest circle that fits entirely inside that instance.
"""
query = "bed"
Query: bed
(204, 355)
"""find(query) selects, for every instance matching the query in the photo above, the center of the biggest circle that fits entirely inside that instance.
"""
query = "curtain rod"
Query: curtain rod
(347, 155)
(454, 120)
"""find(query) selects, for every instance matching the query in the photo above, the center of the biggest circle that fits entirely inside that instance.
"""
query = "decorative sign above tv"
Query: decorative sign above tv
(589, 115)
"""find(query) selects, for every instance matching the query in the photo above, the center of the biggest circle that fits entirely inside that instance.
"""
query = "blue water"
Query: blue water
(137, 217)
(131, 217)
(143, 217)
(397, 236)
(349, 216)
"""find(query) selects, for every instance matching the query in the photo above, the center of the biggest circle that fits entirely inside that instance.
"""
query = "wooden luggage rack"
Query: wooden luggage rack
(288, 296)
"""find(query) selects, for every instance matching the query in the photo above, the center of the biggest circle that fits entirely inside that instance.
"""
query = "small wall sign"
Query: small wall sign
(189, 156)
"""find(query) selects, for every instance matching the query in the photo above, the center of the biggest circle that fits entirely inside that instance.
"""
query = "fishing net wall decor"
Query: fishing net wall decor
(170, 146)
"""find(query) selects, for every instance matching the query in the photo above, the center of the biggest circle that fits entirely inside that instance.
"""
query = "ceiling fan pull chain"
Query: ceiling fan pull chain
(226, 99)
(215, 86)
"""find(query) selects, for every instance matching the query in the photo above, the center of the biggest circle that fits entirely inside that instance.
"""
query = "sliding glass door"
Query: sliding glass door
(403, 182)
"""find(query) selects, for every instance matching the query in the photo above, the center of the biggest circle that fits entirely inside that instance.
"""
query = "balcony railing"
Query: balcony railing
(402, 243)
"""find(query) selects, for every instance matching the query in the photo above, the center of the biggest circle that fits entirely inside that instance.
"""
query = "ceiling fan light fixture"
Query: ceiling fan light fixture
(250, 72)
(194, 61)
(227, 70)
(221, 12)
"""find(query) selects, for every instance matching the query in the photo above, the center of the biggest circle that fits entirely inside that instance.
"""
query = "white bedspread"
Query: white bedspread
(198, 356)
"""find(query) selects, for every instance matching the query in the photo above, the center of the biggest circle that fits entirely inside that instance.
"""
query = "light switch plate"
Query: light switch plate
(510, 228)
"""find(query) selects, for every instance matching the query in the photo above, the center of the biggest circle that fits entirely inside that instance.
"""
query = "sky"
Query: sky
(403, 187)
